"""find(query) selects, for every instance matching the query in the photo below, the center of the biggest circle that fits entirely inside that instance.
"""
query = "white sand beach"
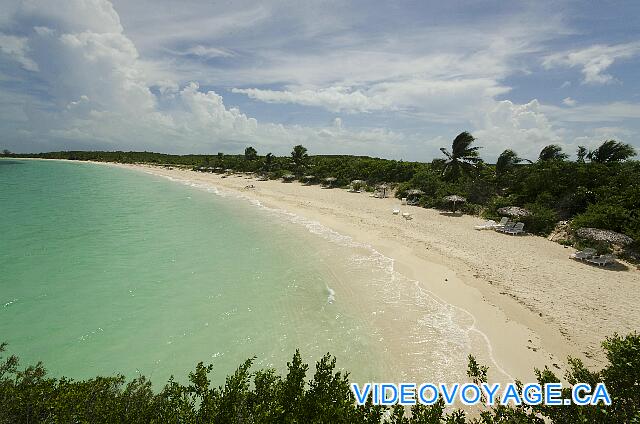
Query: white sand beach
(534, 304)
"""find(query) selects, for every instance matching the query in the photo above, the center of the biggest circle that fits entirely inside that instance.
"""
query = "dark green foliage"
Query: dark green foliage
(581, 154)
(552, 152)
(462, 158)
(611, 151)
(250, 153)
(603, 195)
(542, 219)
(299, 157)
(507, 161)
(263, 396)
(603, 215)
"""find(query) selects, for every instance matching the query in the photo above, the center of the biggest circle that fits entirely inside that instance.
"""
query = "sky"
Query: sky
(394, 79)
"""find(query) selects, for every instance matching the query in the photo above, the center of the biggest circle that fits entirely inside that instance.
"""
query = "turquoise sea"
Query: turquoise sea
(106, 270)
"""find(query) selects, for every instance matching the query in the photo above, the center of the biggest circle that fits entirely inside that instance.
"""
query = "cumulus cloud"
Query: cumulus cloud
(334, 99)
(75, 73)
(17, 49)
(594, 60)
(522, 127)
(99, 95)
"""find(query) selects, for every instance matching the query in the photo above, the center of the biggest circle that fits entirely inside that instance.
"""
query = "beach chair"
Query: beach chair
(505, 227)
(602, 260)
(518, 228)
(504, 221)
(585, 254)
(487, 225)
(396, 211)
(404, 201)
(407, 215)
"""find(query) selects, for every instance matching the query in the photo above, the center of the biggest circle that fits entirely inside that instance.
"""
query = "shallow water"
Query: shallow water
(107, 270)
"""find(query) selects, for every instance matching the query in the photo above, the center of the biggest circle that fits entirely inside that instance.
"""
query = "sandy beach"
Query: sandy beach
(534, 305)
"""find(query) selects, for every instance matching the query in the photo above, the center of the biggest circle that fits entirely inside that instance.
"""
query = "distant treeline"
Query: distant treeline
(29, 395)
(601, 189)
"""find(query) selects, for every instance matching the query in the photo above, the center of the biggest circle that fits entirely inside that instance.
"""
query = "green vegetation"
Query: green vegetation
(600, 189)
(30, 395)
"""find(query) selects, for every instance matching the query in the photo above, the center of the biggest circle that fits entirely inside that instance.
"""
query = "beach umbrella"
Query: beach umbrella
(607, 236)
(383, 187)
(514, 211)
(229, 171)
(309, 177)
(455, 199)
(358, 182)
(415, 192)
(288, 177)
(330, 180)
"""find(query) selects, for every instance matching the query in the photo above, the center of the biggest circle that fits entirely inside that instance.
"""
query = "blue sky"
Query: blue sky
(395, 79)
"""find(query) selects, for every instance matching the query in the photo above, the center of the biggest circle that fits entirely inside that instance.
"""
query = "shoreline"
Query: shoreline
(533, 305)
(518, 338)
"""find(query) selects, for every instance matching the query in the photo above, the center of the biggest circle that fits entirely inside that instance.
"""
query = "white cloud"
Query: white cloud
(594, 112)
(17, 48)
(134, 80)
(594, 60)
(334, 99)
(203, 51)
(523, 128)
(99, 96)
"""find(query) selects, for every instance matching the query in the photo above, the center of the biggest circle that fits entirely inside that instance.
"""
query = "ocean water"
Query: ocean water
(106, 270)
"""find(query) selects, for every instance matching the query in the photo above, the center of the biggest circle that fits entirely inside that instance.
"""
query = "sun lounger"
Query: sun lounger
(407, 215)
(584, 254)
(505, 227)
(602, 260)
(504, 221)
(396, 211)
(487, 225)
(515, 230)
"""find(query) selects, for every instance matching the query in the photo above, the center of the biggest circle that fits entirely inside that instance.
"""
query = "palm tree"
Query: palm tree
(299, 157)
(507, 160)
(250, 153)
(268, 162)
(581, 153)
(611, 151)
(463, 157)
(552, 152)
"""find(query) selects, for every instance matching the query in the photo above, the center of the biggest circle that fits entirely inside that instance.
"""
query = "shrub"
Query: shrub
(603, 216)
(541, 221)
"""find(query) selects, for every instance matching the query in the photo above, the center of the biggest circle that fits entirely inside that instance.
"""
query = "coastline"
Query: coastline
(520, 291)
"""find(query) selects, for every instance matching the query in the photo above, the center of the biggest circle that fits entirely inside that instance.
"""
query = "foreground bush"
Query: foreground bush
(29, 396)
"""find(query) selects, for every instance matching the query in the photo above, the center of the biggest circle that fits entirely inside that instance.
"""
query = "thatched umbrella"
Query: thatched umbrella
(288, 178)
(514, 211)
(454, 198)
(329, 181)
(383, 187)
(308, 179)
(607, 236)
(414, 192)
(356, 185)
